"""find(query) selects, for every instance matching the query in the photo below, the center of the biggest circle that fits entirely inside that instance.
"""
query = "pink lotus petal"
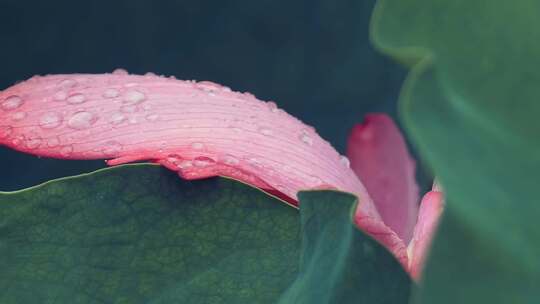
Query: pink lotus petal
(379, 156)
(428, 217)
(198, 129)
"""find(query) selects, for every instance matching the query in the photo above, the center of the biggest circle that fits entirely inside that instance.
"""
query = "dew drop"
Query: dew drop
(18, 116)
(50, 120)
(53, 142)
(133, 120)
(208, 86)
(271, 106)
(265, 131)
(111, 93)
(5, 131)
(11, 103)
(178, 161)
(117, 118)
(197, 145)
(120, 71)
(111, 148)
(81, 120)
(60, 96)
(173, 158)
(184, 164)
(345, 161)
(152, 117)
(67, 83)
(255, 162)
(315, 180)
(33, 142)
(236, 130)
(18, 140)
(203, 161)
(306, 139)
(66, 151)
(147, 107)
(76, 98)
(128, 109)
(133, 97)
(230, 160)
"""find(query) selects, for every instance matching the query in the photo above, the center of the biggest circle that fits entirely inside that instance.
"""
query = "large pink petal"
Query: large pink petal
(199, 129)
(380, 158)
(428, 217)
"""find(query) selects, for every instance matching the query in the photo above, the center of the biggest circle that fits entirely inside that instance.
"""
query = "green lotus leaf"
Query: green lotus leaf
(139, 234)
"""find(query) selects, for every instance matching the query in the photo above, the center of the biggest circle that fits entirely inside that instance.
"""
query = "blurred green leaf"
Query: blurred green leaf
(139, 234)
(471, 105)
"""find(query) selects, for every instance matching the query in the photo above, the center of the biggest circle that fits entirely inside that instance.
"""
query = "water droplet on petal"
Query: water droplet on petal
(306, 139)
(50, 120)
(66, 150)
(236, 130)
(18, 116)
(133, 97)
(184, 164)
(230, 160)
(81, 120)
(120, 71)
(111, 93)
(60, 96)
(271, 105)
(128, 109)
(314, 180)
(131, 84)
(5, 131)
(33, 142)
(265, 131)
(117, 118)
(345, 161)
(67, 83)
(255, 162)
(111, 148)
(18, 140)
(173, 158)
(11, 103)
(152, 117)
(203, 161)
(178, 161)
(197, 145)
(53, 142)
(208, 86)
(76, 98)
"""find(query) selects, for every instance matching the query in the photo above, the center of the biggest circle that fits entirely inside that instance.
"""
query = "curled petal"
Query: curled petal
(380, 158)
(199, 129)
(431, 209)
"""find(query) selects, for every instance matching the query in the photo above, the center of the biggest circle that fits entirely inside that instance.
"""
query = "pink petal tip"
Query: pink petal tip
(379, 156)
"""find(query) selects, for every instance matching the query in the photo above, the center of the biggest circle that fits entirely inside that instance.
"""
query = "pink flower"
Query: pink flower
(201, 129)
